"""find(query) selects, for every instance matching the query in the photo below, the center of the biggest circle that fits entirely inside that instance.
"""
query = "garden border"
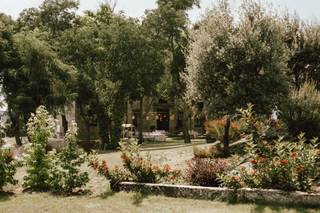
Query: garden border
(214, 193)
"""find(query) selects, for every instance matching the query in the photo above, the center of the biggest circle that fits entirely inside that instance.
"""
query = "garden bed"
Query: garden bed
(212, 193)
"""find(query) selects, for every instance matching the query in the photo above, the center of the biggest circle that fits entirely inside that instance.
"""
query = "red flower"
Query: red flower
(166, 168)
(262, 159)
(293, 155)
(236, 178)
(155, 168)
(284, 161)
(300, 169)
(253, 161)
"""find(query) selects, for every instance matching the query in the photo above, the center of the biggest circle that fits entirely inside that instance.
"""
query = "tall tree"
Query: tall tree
(234, 63)
(169, 22)
(33, 75)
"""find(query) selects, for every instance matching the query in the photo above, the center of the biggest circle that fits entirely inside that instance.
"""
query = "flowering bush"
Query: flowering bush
(141, 169)
(281, 165)
(7, 168)
(40, 127)
(65, 175)
(136, 167)
(115, 175)
(205, 171)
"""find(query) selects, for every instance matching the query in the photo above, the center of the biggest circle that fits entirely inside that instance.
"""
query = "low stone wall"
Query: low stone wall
(212, 193)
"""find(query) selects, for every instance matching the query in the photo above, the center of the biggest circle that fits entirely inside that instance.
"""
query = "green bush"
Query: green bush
(65, 175)
(280, 165)
(259, 126)
(7, 168)
(40, 127)
(302, 112)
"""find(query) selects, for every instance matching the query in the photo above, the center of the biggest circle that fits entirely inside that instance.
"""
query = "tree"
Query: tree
(234, 63)
(53, 16)
(169, 23)
(40, 128)
(35, 76)
(303, 41)
(132, 68)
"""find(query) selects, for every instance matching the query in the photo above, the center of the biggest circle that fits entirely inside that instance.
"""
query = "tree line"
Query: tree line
(51, 56)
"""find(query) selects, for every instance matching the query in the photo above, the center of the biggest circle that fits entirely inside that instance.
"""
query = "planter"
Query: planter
(241, 195)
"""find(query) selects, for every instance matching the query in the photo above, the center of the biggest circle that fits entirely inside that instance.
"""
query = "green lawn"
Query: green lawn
(125, 202)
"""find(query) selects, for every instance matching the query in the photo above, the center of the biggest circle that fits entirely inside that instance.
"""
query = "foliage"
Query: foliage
(258, 126)
(34, 76)
(302, 112)
(7, 168)
(136, 167)
(303, 41)
(65, 175)
(40, 128)
(205, 171)
(232, 63)
(115, 175)
(280, 165)
(215, 128)
(142, 169)
(168, 25)
(54, 16)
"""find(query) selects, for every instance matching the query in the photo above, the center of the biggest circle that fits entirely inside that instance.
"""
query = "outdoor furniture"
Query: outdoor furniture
(155, 136)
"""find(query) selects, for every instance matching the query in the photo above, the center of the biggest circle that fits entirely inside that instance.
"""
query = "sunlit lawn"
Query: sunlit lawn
(125, 202)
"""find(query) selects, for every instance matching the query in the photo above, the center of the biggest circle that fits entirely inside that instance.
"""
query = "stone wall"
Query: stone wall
(212, 193)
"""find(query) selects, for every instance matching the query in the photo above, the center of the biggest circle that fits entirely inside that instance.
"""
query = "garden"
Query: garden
(248, 76)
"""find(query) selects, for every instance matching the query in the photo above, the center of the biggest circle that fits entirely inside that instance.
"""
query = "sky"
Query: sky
(307, 9)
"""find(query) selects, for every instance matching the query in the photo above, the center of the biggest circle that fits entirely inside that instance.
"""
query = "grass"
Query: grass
(126, 202)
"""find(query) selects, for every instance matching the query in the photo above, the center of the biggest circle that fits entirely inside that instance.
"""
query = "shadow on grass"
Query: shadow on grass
(262, 207)
(138, 198)
(4, 196)
(107, 194)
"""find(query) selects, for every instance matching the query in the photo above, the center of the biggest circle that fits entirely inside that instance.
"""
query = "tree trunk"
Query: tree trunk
(185, 126)
(103, 125)
(88, 131)
(226, 150)
(17, 138)
(16, 128)
(141, 122)
(64, 124)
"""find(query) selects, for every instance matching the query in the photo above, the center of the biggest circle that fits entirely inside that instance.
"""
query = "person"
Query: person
(275, 114)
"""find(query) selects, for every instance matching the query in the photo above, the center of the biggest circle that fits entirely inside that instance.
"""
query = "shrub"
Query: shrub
(259, 127)
(205, 171)
(281, 165)
(40, 127)
(115, 175)
(65, 175)
(302, 112)
(7, 168)
(136, 167)
(141, 169)
(215, 128)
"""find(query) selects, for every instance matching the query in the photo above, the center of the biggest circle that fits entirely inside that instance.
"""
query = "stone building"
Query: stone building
(158, 115)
